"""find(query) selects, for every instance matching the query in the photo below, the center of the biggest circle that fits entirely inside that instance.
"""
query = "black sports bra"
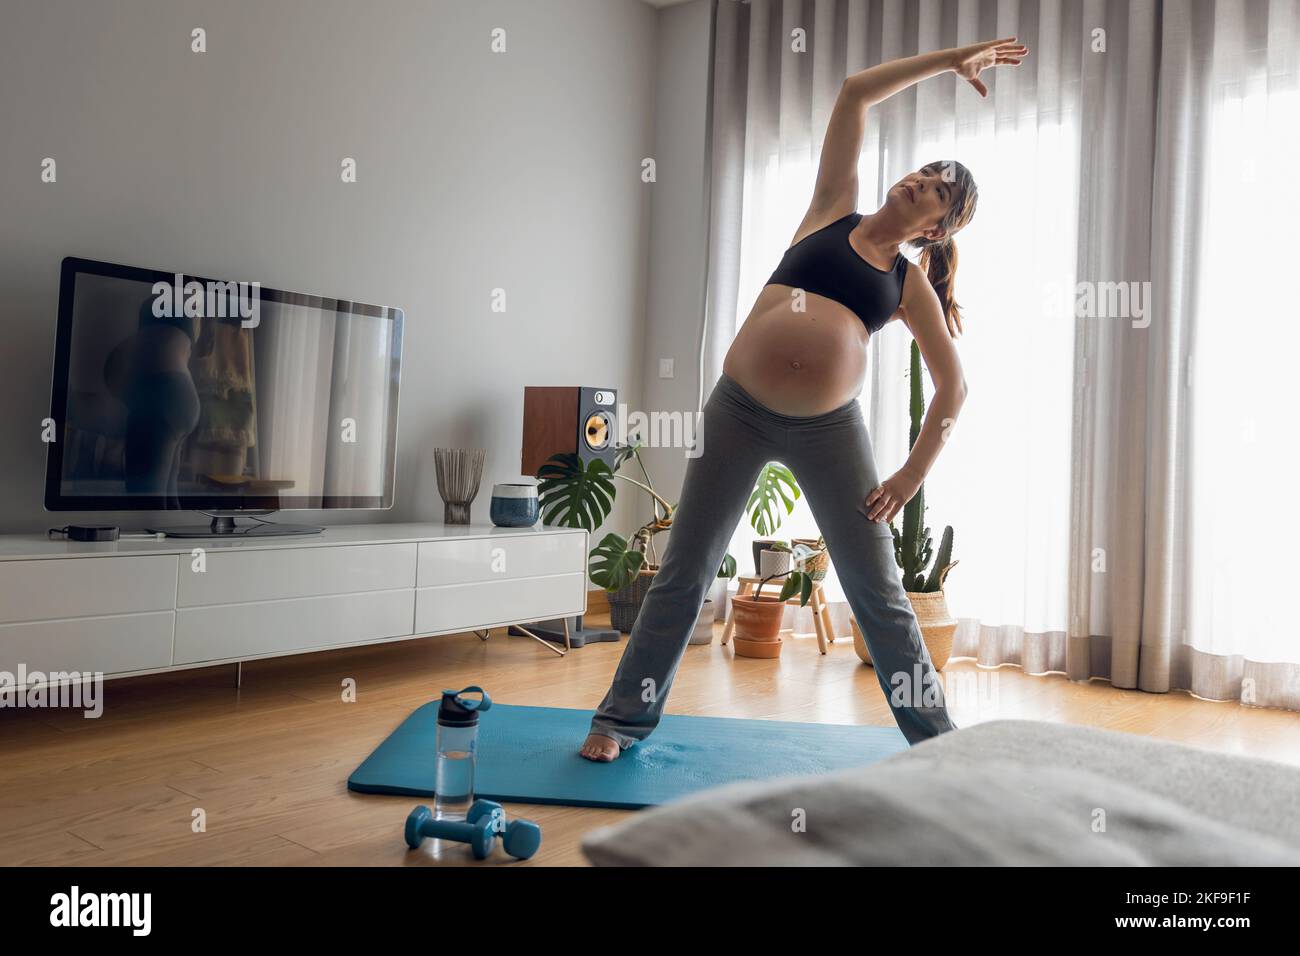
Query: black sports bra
(824, 263)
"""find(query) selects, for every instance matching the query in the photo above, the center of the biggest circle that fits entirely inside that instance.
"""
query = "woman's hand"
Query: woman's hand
(888, 499)
(970, 61)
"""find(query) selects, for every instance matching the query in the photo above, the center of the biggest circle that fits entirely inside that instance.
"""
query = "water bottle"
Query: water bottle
(457, 743)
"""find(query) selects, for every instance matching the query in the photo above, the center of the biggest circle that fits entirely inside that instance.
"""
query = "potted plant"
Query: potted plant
(580, 494)
(775, 489)
(773, 498)
(817, 559)
(758, 618)
(913, 552)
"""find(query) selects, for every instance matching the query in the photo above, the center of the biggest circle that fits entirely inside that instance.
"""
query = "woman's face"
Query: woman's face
(922, 198)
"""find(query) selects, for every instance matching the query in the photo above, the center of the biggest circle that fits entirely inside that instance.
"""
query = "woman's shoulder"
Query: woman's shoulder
(820, 218)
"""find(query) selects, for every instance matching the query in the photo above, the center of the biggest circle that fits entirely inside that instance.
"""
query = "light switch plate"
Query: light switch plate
(665, 368)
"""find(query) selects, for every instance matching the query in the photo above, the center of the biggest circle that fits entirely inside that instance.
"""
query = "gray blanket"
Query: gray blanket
(1004, 792)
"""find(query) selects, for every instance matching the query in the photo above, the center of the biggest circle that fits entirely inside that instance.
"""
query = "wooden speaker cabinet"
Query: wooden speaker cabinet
(574, 419)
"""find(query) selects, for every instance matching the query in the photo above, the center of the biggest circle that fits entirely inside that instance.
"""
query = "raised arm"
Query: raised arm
(835, 193)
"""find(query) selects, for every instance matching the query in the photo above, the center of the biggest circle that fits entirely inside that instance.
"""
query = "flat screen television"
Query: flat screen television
(177, 392)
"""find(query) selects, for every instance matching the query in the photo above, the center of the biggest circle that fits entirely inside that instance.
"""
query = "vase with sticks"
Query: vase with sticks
(459, 471)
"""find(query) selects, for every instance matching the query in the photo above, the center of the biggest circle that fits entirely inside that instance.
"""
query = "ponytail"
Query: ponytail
(939, 261)
(939, 256)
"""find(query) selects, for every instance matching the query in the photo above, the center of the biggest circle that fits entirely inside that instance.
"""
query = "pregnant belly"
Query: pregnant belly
(799, 363)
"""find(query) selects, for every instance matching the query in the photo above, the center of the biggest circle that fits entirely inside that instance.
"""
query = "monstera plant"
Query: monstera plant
(774, 489)
(580, 494)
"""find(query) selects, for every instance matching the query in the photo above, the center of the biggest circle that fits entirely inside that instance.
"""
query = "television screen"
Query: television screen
(179, 392)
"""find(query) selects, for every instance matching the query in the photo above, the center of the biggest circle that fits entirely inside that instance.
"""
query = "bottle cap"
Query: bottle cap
(457, 711)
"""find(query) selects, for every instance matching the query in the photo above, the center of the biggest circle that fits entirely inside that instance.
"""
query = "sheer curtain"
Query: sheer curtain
(1242, 457)
(1239, 639)
(1180, 419)
(1113, 476)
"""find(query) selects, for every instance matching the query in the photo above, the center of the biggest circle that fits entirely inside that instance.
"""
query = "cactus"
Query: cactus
(942, 564)
(913, 546)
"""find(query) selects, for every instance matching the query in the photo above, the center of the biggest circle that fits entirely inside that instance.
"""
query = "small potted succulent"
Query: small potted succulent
(758, 617)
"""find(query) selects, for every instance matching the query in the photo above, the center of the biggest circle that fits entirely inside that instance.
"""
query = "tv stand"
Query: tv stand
(223, 526)
(137, 606)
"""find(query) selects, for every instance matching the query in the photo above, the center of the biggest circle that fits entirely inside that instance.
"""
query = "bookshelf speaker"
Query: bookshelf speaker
(575, 419)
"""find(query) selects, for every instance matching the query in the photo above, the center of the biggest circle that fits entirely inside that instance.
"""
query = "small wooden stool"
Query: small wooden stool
(817, 601)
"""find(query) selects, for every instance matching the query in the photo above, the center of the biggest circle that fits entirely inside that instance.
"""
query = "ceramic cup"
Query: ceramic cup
(514, 505)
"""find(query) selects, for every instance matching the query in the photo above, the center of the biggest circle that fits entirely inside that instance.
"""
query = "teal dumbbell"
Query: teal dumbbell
(519, 838)
(476, 829)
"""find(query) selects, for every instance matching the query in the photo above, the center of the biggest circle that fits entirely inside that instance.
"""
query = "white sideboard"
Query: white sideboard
(144, 605)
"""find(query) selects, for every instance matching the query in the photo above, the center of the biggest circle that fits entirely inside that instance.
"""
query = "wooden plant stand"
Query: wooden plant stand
(821, 614)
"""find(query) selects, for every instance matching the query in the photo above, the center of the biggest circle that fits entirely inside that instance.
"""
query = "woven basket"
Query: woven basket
(625, 603)
(937, 627)
(815, 566)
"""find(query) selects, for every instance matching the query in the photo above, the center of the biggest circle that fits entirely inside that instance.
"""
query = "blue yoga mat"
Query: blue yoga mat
(530, 755)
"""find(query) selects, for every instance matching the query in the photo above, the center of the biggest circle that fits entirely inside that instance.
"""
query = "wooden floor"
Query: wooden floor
(267, 763)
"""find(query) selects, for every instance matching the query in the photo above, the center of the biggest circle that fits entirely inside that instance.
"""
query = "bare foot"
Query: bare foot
(600, 748)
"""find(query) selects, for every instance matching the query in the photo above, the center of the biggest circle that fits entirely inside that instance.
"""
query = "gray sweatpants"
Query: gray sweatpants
(830, 455)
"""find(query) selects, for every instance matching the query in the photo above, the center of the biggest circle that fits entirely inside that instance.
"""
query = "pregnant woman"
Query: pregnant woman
(788, 392)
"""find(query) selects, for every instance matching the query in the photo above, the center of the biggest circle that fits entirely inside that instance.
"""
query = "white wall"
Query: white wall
(476, 170)
(678, 229)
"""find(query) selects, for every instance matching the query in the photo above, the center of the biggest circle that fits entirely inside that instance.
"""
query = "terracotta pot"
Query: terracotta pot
(937, 627)
(758, 622)
(760, 649)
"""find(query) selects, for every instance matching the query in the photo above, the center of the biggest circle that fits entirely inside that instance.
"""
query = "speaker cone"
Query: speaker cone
(596, 431)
